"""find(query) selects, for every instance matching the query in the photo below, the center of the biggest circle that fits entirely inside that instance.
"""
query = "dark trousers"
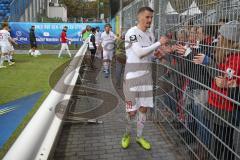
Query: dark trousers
(93, 52)
(224, 133)
(119, 72)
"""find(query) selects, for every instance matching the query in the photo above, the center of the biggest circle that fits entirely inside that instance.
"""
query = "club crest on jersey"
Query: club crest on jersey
(133, 38)
(230, 73)
(128, 104)
(150, 39)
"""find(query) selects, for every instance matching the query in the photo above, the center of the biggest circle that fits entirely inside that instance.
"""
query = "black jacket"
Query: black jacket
(93, 40)
(32, 36)
(234, 93)
(199, 73)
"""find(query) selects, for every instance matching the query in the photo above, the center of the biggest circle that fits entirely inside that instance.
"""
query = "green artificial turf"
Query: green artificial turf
(27, 76)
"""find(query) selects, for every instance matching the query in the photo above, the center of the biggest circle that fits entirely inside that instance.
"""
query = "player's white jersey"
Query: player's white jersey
(98, 38)
(137, 38)
(4, 36)
(139, 49)
(107, 38)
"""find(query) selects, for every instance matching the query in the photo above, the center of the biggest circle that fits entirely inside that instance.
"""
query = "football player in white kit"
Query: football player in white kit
(6, 45)
(138, 86)
(108, 42)
(11, 53)
(98, 41)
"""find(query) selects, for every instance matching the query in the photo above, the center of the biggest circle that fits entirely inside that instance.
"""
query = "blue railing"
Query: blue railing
(5, 9)
(17, 9)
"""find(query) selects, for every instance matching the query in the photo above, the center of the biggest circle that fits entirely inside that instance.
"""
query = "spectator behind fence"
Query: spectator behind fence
(120, 57)
(197, 90)
(174, 101)
(228, 86)
(192, 38)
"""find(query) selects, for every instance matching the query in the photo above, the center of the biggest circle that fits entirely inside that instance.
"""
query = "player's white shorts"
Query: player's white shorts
(6, 49)
(138, 92)
(64, 46)
(11, 48)
(107, 54)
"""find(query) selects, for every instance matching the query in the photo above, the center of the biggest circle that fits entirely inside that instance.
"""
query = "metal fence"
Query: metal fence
(26, 10)
(200, 78)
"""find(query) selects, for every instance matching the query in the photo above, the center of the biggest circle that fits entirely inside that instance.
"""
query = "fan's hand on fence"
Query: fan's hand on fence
(180, 49)
(163, 40)
(198, 59)
(167, 49)
(232, 83)
(159, 53)
(222, 82)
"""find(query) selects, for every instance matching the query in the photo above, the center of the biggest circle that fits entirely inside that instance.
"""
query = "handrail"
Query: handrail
(37, 138)
(12, 2)
(13, 6)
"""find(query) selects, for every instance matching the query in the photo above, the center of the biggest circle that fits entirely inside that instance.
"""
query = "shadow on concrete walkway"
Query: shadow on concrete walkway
(84, 141)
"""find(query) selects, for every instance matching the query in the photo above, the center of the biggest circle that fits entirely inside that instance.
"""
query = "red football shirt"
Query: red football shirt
(63, 37)
(231, 68)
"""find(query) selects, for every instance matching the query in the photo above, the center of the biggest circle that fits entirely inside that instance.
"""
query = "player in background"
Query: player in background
(64, 42)
(98, 41)
(108, 42)
(5, 44)
(12, 50)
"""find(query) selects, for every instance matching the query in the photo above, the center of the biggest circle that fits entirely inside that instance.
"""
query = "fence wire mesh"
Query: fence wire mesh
(199, 80)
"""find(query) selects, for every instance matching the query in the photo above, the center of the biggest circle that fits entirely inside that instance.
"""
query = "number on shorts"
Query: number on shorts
(129, 104)
(1, 36)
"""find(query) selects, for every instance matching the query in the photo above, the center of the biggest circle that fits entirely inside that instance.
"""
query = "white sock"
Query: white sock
(8, 58)
(70, 55)
(130, 122)
(105, 65)
(2, 60)
(141, 119)
(59, 54)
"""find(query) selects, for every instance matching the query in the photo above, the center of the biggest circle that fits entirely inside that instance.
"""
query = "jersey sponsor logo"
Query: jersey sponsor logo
(151, 39)
(230, 73)
(129, 104)
(19, 33)
(1, 36)
(133, 38)
(46, 34)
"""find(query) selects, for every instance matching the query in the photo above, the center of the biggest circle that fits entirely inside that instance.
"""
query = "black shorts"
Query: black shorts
(33, 45)
(93, 51)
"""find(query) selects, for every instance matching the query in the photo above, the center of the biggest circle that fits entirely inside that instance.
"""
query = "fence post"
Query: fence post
(162, 17)
(151, 4)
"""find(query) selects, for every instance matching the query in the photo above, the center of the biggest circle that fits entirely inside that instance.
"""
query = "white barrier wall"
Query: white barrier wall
(38, 137)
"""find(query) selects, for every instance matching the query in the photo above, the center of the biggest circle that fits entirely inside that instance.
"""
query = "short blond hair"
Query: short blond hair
(224, 48)
(4, 24)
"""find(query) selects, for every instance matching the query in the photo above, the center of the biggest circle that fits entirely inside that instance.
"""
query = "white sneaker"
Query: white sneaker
(11, 63)
(3, 67)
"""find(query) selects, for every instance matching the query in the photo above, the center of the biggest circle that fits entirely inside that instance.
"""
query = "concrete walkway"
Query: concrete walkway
(84, 141)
